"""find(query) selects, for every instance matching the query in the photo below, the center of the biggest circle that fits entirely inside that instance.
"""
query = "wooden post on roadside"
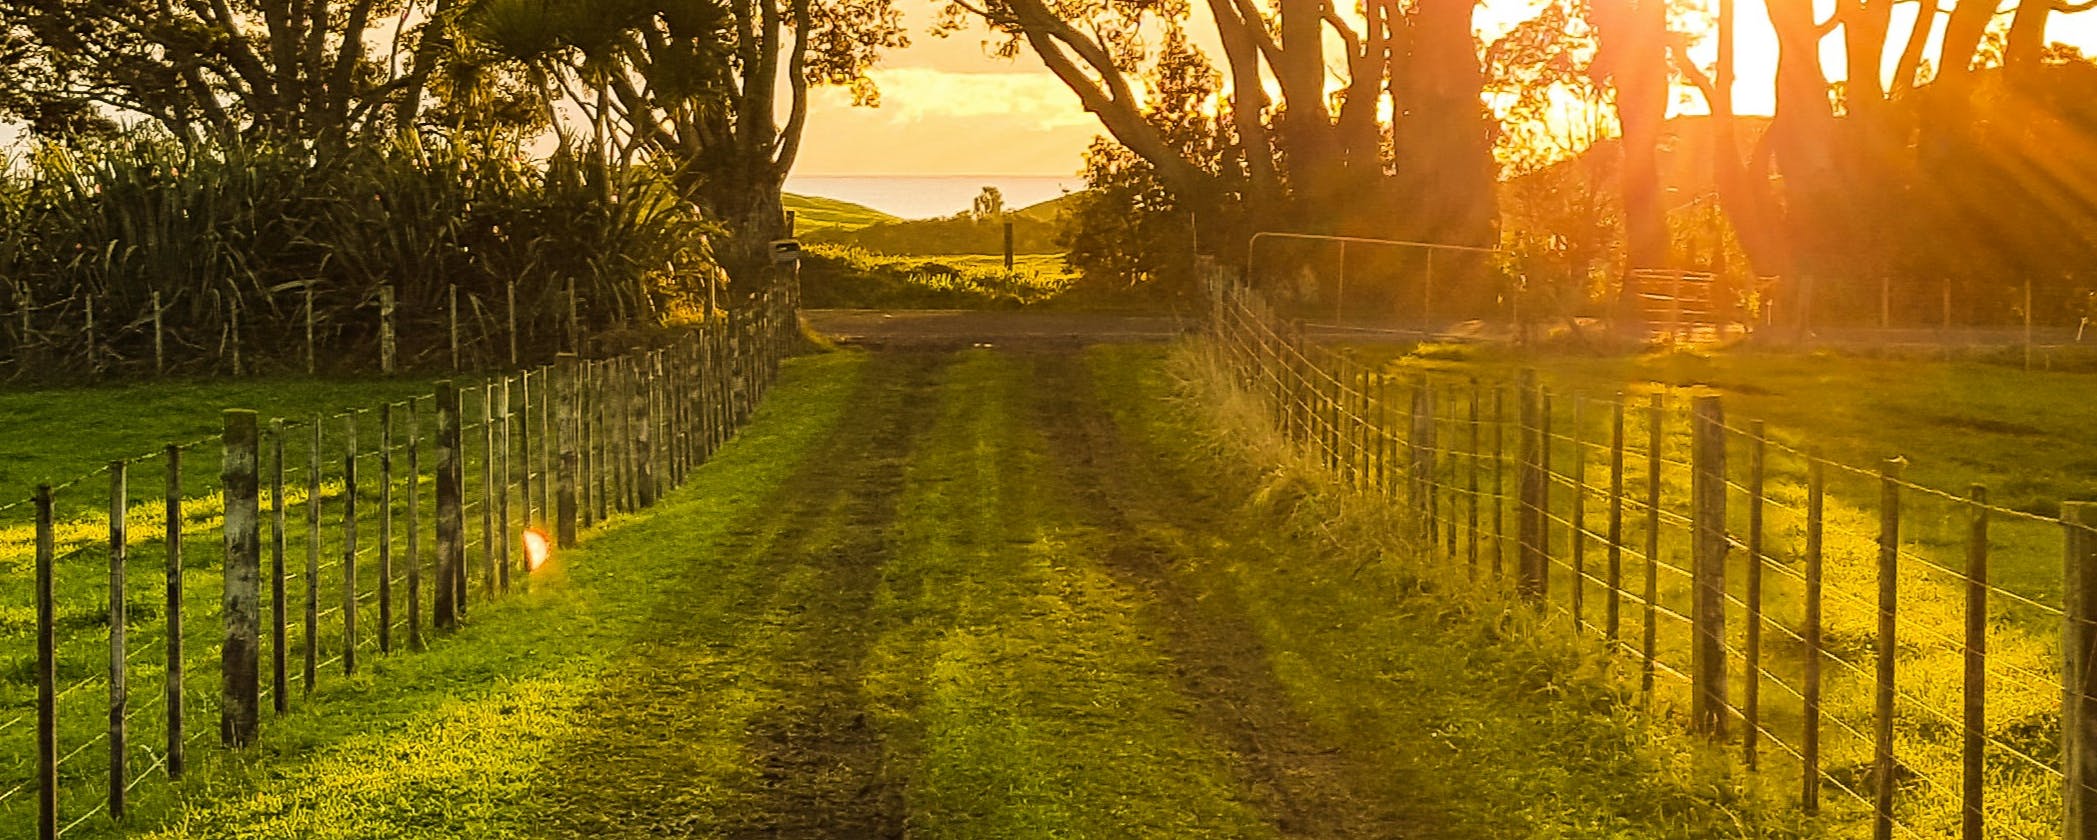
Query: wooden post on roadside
(1751, 688)
(502, 490)
(46, 673)
(279, 680)
(314, 539)
(645, 444)
(1708, 570)
(1974, 723)
(1883, 687)
(349, 543)
(567, 383)
(451, 543)
(489, 570)
(1008, 246)
(1499, 480)
(1471, 489)
(119, 682)
(1648, 645)
(1613, 608)
(2079, 672)
(1809, 727)
(238, 719)
(1579, 516)
(177, 760)
(385, 528)
(411, 536)
(524, 442)
(1530, 567)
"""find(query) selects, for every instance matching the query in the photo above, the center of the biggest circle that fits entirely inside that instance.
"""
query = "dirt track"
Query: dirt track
(927, 329)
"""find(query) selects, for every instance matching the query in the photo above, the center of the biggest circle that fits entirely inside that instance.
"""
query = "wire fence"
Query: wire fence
(1904, 654)
(219, 577)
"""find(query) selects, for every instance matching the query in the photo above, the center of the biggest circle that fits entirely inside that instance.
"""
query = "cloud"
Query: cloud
(1016, 100)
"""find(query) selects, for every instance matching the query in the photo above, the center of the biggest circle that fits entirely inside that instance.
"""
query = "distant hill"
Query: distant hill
(1034, 231)
(815, 213)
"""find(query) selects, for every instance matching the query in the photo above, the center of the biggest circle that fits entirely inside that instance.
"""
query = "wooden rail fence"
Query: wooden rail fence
(398, 540)
(1835, 624)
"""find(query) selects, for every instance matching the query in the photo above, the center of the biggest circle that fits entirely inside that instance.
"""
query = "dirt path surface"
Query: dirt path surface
(976, 593)
(955, 329)
(1306, 786)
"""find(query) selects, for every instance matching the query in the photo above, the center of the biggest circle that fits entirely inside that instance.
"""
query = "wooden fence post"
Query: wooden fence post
(1883, 685)
(549, 390)
(119, 682)
(385, 528)
(566, 382)
(349, 543)
(2079, 672)
(1649, 644)
(1809, 737)
(489, 572)
(1973, 747)
(502, 490)
(1751, 689)
(1529, 541)
(1499, 480)
(237, 659)
(314, 539)
(1578, 519)
(411, 536)
(46, 673)
(279, 680)
(1471, 489)
(1613, 608)
(177, 760)
(524, 442)
(1708, 509)
(451, 545)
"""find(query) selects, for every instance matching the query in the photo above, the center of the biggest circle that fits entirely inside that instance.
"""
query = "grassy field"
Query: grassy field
(835, 277)
(2018, 432)
(814, 214)
(83, 428)
(980, 595)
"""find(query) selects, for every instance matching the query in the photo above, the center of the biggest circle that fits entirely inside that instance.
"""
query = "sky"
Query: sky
(949, 108)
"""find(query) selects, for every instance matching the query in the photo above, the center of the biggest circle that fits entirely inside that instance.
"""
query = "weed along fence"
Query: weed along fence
(196, 592)
(1890, 655)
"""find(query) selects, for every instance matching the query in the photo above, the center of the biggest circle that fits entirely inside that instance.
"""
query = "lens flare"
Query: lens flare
(536, 549)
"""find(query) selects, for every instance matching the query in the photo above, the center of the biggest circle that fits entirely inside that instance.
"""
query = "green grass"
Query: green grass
(901, 597)
(55, 435)
(456, 741)
(129, 420)
(813, 214)
(834, 277)
(1955, 422)
(1511, 728)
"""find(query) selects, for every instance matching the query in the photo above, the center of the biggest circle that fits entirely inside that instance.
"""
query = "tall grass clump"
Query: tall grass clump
(233, 236)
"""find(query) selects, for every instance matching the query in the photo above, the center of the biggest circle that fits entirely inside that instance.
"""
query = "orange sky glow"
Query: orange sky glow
(948, 108)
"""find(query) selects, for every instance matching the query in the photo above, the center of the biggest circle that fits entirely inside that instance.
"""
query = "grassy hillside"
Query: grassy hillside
(815, 213)
(1035, 229)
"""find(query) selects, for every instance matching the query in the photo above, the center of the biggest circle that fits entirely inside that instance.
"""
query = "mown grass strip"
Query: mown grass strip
(455, 742)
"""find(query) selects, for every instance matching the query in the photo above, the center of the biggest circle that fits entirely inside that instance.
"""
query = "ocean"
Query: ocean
(927, 196)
